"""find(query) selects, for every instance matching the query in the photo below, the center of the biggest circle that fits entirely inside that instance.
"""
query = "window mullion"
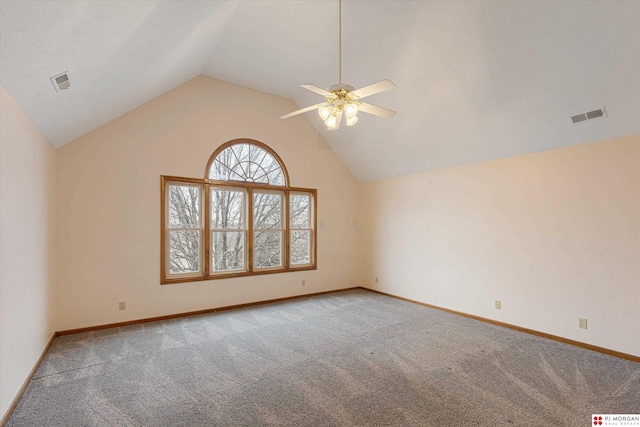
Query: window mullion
(286, 232)
(206, 217)
(250, 230)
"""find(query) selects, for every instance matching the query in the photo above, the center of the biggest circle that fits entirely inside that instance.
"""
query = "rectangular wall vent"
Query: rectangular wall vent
(595, 114)
(61, 81)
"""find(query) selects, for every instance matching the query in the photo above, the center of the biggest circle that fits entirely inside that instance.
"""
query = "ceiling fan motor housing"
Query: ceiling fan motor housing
(340, 87)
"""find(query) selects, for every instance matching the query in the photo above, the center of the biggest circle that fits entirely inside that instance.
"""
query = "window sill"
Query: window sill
(172, 280)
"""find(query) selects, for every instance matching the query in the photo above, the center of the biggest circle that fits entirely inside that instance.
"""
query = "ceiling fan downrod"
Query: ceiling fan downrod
(344, 99)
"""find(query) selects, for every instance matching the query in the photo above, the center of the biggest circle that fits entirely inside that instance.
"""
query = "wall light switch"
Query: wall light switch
(498, 305)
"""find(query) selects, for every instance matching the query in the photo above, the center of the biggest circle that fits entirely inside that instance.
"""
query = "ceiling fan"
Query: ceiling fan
(342, 99)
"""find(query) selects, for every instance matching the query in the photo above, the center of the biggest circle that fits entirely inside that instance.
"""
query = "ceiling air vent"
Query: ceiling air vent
(61, 81)
(595, 114)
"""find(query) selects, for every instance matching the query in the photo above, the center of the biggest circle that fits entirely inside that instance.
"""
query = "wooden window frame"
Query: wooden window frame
(206, 185)
(245, 229)
(284, 252)
(311, 229)
(167, 230)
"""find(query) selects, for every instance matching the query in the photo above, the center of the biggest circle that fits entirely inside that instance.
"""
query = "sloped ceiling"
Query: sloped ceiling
(476, 80)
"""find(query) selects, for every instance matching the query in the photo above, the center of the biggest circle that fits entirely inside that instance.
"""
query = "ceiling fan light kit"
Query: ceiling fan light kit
(337, 104)
(342, 99)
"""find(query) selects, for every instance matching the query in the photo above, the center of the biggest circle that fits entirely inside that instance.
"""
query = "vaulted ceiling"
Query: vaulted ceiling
(477, 80)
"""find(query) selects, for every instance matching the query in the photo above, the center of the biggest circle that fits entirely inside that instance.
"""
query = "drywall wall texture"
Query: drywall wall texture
(27, 247)
(108, 195)
(554, 236)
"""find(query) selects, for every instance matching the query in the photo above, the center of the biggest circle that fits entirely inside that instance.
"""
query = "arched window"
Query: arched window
(249, 162)
(242, 219)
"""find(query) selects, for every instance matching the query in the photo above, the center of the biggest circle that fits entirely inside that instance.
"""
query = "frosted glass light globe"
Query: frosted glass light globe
(351, 110)
(324, 112)
(332, 122)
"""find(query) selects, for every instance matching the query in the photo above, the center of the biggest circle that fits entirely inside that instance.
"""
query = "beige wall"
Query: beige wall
(27, 191)
(553, 235)
(108, 199)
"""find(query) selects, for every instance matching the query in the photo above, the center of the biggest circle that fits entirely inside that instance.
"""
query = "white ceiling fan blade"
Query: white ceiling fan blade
(303, 110)
(316, 89)
(376, 111)
(373, 89)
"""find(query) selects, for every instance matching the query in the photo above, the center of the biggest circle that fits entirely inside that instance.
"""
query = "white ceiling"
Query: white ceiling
(477, 80)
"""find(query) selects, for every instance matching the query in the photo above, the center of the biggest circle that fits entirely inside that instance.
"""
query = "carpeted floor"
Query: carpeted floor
(352, 358)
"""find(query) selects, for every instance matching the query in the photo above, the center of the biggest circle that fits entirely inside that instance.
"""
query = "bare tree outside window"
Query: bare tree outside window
(228, 233)
(248, 163)
(184, 229)
(300, 228)
(268, 228)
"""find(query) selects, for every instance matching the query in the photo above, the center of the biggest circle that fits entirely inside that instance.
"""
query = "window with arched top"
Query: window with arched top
(248, 162)
(242, 219)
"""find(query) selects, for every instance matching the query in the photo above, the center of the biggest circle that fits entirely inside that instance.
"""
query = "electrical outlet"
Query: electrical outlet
(582, 323)
(498, 305)
(376, 279)
(122, 305)
(304, 282)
